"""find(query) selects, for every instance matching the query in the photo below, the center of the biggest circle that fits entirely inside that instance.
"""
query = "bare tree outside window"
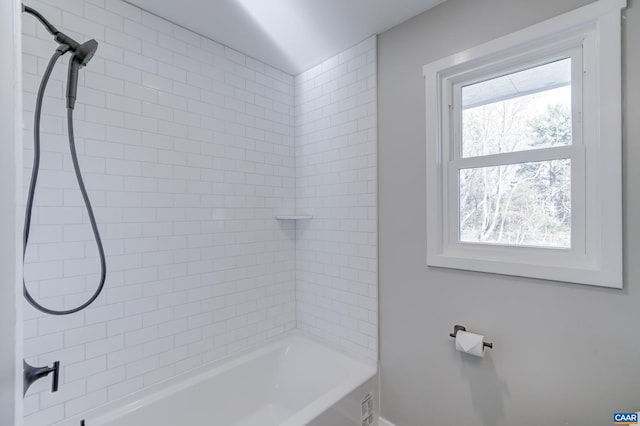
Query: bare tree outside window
(526, 204)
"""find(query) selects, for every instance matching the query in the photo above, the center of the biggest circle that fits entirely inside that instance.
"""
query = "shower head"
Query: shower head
(82, 54)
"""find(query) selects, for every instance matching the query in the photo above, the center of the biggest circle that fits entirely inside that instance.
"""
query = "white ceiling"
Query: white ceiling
(291, 35)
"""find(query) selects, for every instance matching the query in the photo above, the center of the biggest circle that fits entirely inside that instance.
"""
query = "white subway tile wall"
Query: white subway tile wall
(336, 181)
(188, 152)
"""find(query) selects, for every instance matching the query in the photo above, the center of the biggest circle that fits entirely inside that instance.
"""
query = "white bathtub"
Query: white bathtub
(289, 382)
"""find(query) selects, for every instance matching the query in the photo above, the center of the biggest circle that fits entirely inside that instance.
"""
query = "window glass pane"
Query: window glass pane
(524, 110)
(526, 204)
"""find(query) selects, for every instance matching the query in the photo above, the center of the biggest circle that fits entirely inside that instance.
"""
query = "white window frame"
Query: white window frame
(11, 300)
(591, 36)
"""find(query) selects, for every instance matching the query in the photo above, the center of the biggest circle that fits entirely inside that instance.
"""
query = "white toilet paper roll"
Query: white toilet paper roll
(470, 343)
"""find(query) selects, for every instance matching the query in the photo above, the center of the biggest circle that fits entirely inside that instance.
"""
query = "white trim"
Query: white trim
(596, 254)
(383, 422)
(10, 192)
(530, 156)
(562, 25)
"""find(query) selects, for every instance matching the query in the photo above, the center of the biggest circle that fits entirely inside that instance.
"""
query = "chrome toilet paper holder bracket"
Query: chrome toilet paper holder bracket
(457, 328)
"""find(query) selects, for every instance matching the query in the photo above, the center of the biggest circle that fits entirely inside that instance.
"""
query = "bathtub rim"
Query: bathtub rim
(116, 408)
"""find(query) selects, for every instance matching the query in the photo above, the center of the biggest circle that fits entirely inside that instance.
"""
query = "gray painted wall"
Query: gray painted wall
(564, 354)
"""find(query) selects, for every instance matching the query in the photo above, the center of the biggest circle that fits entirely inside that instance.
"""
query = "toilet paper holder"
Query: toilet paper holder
(457, 328)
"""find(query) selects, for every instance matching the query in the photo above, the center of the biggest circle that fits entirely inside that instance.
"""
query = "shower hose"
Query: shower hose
(32, 189)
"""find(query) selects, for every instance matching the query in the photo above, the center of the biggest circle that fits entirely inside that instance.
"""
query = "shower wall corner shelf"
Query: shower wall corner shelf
(294, 216)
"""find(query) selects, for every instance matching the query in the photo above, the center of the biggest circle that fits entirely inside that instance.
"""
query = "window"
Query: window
(524, 152)
(513, 155)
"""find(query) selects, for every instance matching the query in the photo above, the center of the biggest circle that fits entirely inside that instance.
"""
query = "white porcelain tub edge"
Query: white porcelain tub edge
(329, 358)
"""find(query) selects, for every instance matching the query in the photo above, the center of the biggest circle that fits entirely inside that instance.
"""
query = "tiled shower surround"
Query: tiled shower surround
(189, 149)
(336, 179)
